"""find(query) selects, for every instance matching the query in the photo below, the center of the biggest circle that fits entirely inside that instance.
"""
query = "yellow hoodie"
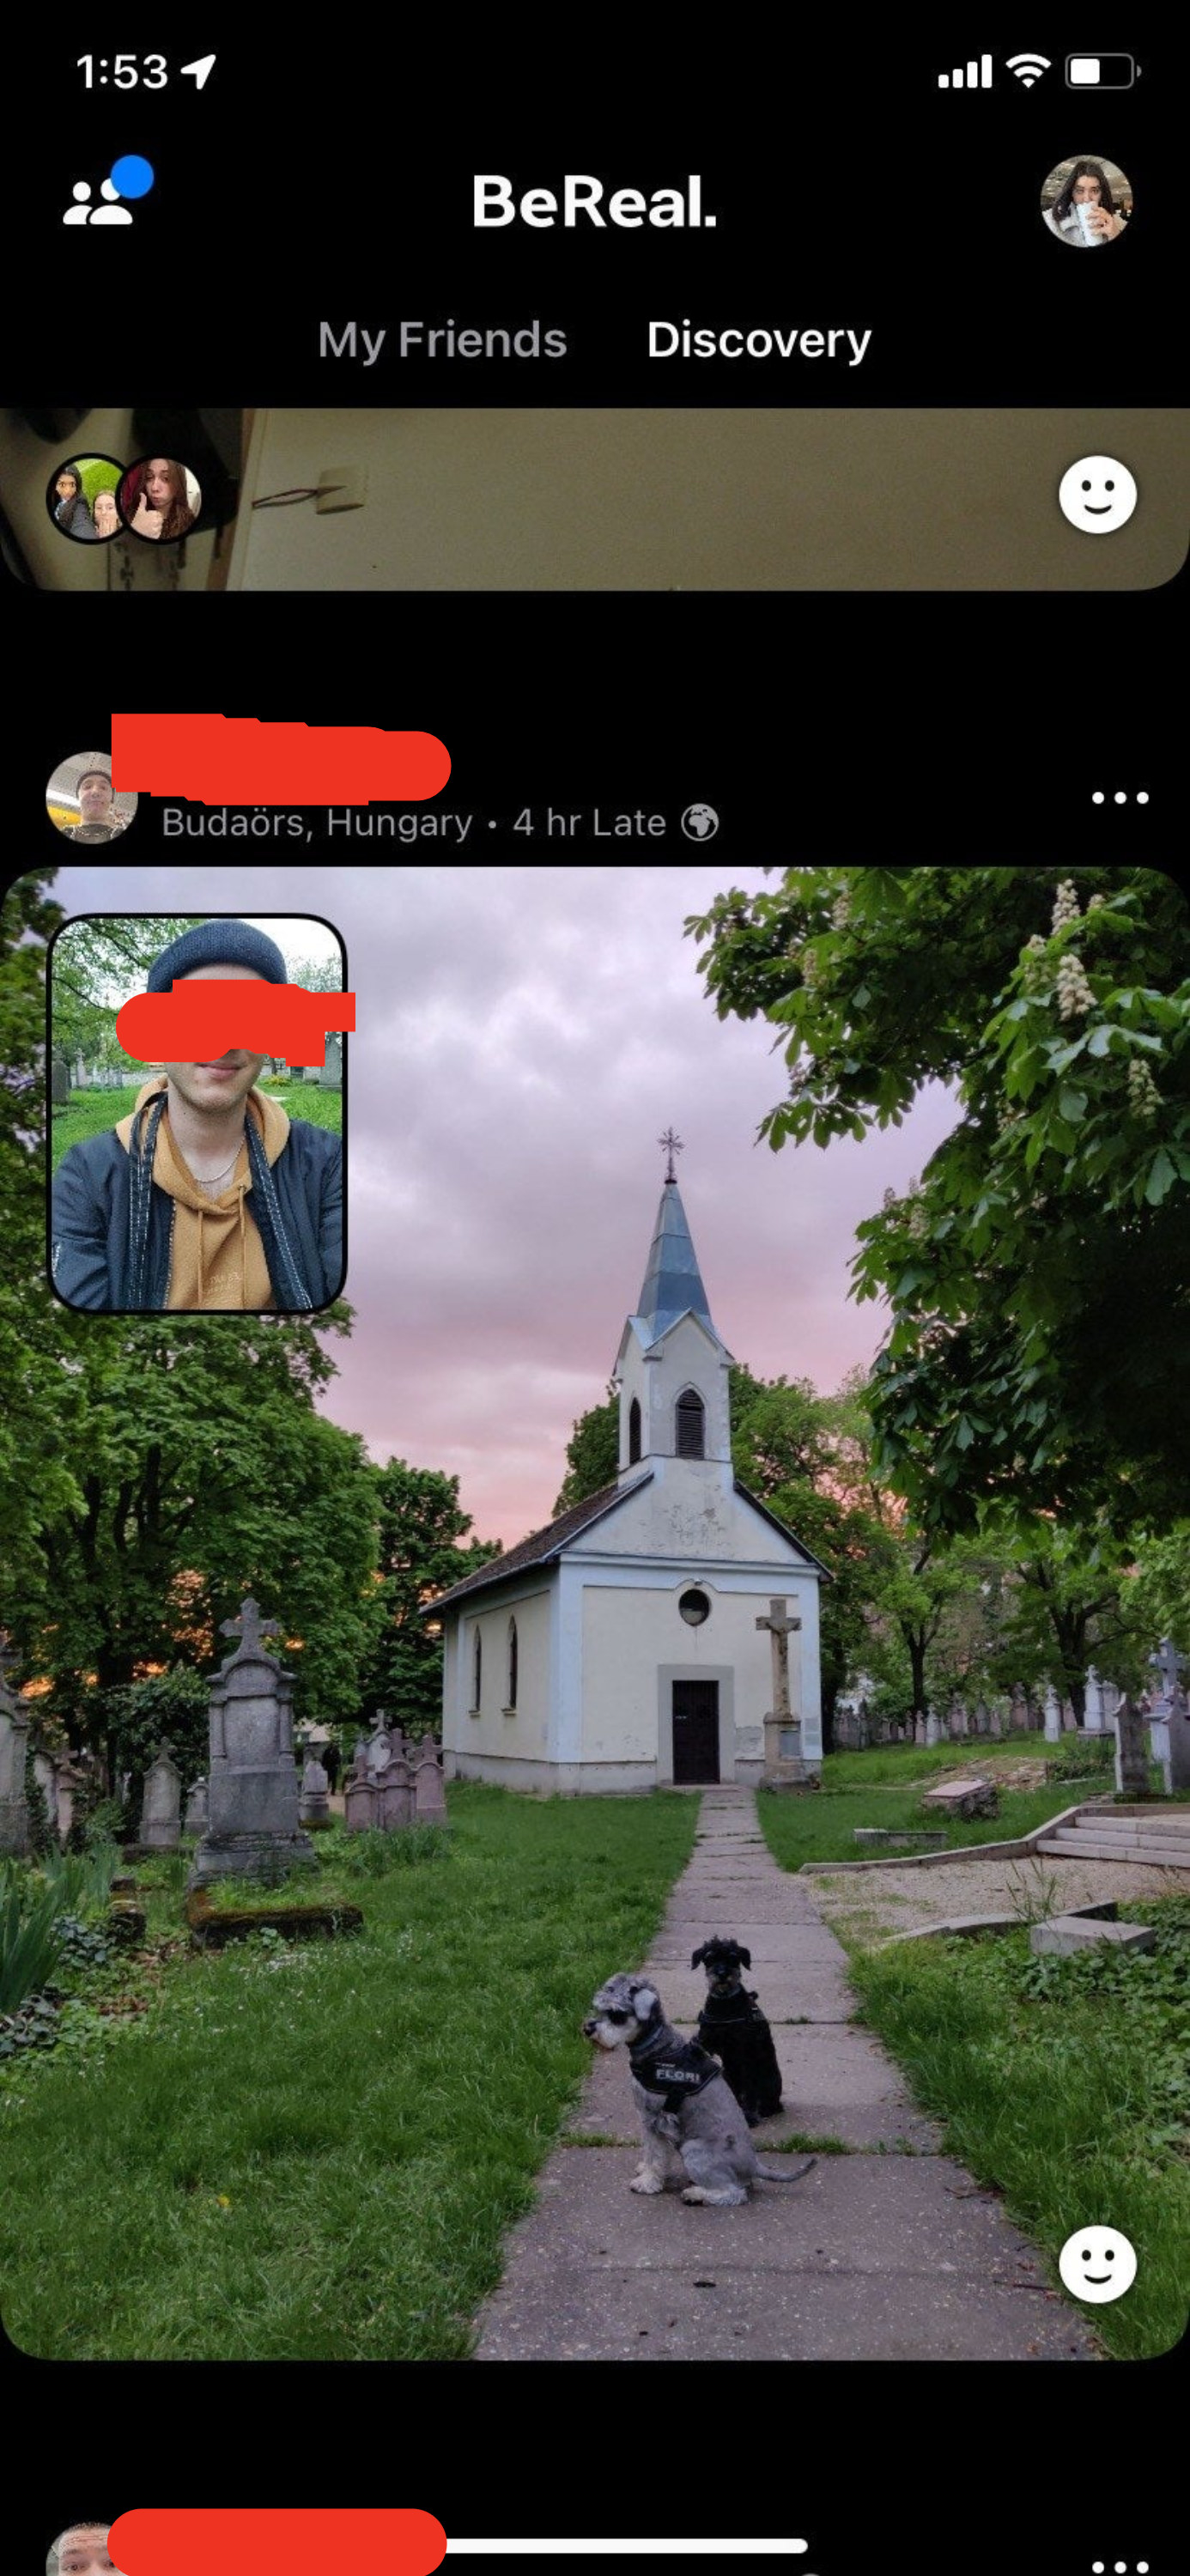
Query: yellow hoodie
(216, 1254)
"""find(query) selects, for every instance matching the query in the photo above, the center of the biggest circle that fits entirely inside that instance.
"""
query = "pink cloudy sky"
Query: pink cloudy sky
(524, 1035)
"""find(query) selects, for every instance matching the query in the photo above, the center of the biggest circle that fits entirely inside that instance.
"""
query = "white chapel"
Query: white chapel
(664, 1630)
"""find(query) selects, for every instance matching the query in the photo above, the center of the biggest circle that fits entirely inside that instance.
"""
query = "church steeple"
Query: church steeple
(673, 1282)
(672, 1366)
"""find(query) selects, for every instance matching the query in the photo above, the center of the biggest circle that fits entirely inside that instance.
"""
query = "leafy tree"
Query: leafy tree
(166, 1708)
(1056, 1208)
(592, 1454)
(1068, 1604)
(422, 1530)
(39, 1416)
(1158, 1587)
(98, 962)
(204, 1473)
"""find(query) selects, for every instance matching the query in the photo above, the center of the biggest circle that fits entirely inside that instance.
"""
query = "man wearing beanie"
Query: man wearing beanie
(208, 1196)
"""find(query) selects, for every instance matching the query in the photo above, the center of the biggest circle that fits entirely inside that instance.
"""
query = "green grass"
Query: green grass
(1063, 2083)
(866, 1789)
(313, 2151)
(91, 1113)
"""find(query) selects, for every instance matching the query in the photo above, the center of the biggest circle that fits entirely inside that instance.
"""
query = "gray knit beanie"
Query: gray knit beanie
(218, 943)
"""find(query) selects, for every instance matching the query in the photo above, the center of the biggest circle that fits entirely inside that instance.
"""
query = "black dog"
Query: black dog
(732, 2026)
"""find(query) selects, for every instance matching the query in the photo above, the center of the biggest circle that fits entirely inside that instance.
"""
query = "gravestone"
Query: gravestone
(1069, 1720)
(161, 1805)
(919, 1729)
(314, 1802)
(252, 1790)
(379, 1793)
(1053, 1716)
(59, 1082)
(196, 1809)
(1169, 1739)
(966, 1798)
(1093, 1702)
(429, 1793)
(933, 1728)
(331, 1076)
(995, 1721)
(1132, 1767)
(14, 1743)
(384, 1745)
(46, 1775)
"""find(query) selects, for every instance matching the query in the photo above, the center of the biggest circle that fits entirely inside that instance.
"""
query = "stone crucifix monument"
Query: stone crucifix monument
(252, 1786)
(784, 1764)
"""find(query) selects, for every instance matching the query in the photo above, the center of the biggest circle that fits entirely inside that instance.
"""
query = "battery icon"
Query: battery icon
(1100, 71)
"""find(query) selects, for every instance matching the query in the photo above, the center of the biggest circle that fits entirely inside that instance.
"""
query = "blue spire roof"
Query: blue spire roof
(673, 1285)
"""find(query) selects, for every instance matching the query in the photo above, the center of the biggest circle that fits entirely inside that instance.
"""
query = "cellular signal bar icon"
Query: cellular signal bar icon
(977, 76)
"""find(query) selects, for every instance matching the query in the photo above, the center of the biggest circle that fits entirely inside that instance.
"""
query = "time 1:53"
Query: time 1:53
(125, 71)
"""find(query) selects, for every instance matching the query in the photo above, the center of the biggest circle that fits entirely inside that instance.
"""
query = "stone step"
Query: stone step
(1124, 1829)
(1100, 1847)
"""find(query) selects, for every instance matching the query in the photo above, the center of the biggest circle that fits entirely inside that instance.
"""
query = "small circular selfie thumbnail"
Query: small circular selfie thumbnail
(1087, 203)
(159, 499)
(81, 498)
(81, 802)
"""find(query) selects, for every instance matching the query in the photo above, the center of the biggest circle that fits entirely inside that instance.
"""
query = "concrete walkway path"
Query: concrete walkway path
(890, 2252)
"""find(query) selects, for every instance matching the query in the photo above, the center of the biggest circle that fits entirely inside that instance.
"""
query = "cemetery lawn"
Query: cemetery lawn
(1061, 2083)
(311, 2150)
(1064, 2083)
(865, 1789)
(92, 1113)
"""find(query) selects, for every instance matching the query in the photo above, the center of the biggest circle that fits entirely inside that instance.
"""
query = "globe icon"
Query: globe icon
(700, 822)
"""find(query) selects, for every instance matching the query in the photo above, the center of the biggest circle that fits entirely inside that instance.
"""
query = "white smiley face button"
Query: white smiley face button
(1097, 2265)
(1097, 495)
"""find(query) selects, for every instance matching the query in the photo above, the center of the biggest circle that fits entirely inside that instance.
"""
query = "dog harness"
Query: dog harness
(677, 2068)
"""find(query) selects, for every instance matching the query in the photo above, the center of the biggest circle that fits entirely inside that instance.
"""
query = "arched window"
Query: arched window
(512, 1663)
(477, 1672)
(633, 1432)
(691, 1421)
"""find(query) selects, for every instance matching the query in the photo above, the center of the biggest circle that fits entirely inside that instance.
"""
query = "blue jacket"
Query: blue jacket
(111, 1224)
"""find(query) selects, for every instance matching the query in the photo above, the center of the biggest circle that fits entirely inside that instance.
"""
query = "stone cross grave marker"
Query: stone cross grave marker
(253, 1828)
(782, 1730)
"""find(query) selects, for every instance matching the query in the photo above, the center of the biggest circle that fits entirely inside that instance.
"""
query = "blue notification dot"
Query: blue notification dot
(133, 176)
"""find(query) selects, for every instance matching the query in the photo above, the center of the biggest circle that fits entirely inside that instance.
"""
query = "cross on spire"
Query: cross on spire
(670, 1145)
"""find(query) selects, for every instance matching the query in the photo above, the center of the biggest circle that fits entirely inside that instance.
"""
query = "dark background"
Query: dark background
(332, 179)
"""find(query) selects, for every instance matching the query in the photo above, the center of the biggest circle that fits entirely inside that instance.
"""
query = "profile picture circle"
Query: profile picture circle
(81, 801)
(81, 498)
(1087, 202)
(159, 499)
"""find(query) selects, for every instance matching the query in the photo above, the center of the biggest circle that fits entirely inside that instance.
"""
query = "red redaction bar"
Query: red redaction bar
(219, 1012)
(239, 760)
(341, 2542)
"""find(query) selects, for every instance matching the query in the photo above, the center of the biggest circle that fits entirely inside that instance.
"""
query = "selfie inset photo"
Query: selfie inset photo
(159, 498)
(81, 498)
(81, 801)
(212, 1185)
(1087, 203)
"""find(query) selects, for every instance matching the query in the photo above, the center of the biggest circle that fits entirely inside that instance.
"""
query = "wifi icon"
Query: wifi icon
(1028, 67)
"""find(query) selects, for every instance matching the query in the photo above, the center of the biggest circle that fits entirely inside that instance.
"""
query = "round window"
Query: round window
(695, 1607)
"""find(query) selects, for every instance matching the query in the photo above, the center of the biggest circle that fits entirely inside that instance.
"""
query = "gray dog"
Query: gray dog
(691, 2121)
